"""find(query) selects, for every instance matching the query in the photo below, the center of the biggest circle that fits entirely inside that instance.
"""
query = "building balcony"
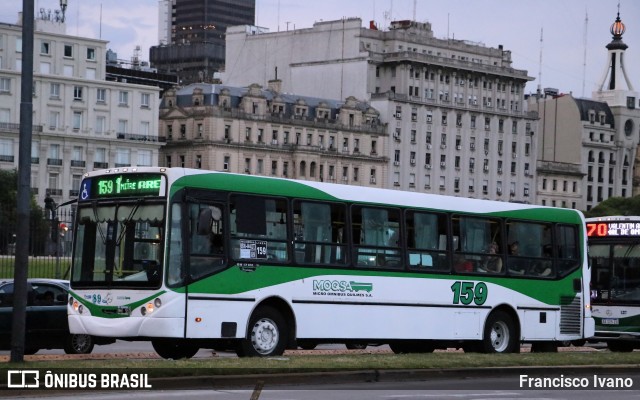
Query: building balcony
(74, 193)
(35, 160)
(6, 158)
(141, 138)
(54, 192)
(15, 128)
(100, 165)
(78, 163)
(54, 161)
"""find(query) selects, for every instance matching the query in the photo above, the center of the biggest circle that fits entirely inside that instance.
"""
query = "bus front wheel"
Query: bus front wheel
(499, 334)
(174, 349)
(267, 334)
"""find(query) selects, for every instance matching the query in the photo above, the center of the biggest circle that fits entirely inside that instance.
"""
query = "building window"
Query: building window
(77, 120)
(123, 98)
(145, 99)
(44, 47)
(101, 95)
(123, 157)
(54, 120)
(77, 92)
(144, 158)
(198, 161)
(101, 124)
(68, 50)
(54, 91)
(91, 53)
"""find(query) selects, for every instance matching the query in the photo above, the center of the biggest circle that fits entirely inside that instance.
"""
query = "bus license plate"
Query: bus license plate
(609, 321)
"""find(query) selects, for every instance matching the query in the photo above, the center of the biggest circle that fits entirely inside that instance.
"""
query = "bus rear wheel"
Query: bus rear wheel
(267, 335)
(174, 349)
(620, 346)
(500, 334)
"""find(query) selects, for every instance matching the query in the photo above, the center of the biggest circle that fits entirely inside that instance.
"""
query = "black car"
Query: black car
(47, 326)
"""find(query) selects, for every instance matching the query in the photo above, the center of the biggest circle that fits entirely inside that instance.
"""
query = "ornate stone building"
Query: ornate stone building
(265, 132)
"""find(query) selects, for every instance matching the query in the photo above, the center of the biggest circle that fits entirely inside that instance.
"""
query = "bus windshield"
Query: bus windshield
(119, 245)
(616, 272)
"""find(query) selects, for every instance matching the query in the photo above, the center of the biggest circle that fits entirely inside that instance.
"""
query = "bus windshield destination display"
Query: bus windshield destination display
(613, 229)
(122, 185)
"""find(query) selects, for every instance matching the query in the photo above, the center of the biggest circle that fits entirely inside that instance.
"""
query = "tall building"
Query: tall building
(454, 109)
(192, 36)
(587, 147)
(81, 121)
(259, 131)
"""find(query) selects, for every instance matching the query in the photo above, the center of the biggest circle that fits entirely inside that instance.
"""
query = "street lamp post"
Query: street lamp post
(23, 208)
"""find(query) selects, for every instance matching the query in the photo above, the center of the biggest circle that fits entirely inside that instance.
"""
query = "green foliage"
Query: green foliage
(616, 206)
(39, 229)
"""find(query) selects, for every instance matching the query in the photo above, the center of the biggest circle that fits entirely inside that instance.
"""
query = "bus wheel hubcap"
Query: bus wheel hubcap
(264, 336)
(499, 336)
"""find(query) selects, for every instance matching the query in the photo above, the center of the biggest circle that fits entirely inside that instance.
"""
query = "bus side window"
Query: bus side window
(258, 227)
(426, 241)
(567, 249)
(480, 245)
(377, 238)
(319, 233)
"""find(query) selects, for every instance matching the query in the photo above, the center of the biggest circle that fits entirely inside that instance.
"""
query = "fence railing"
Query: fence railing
(49, 243)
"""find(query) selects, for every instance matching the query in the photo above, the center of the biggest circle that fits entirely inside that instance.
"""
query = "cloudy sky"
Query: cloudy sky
(516, 24)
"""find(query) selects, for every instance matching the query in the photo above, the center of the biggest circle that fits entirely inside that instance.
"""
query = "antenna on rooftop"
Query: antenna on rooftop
(415, 6)
(584, 39)
(540, 66)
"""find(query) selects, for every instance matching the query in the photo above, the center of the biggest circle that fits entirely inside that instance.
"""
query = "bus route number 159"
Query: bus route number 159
(467, 292)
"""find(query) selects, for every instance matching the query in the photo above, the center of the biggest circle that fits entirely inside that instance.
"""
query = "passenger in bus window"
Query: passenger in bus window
(514, 248)
(514, 268)
(492, 263)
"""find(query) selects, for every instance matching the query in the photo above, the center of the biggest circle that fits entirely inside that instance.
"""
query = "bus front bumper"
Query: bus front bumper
(127, 327)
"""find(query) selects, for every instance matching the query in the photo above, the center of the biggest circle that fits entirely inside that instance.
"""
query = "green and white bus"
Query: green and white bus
(614, 255)
(195, 259)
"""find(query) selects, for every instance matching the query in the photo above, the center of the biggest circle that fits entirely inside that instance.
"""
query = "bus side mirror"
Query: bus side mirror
(206, 217)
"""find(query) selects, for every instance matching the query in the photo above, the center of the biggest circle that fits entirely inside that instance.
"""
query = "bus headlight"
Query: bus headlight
(157, 302)
(76, 305)
(147, 309)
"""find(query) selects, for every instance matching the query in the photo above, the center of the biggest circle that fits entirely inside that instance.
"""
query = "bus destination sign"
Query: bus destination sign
(123, 185)
(613, 229)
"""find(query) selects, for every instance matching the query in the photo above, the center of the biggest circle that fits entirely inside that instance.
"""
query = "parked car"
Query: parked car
(46, 326)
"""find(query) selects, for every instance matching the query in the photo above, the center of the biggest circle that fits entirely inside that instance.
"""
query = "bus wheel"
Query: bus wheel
(499, 334)
(267, 334)
(174, 349)
(78, 344)
(620, 346)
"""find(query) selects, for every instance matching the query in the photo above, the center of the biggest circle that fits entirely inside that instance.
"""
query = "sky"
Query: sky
(518, 25)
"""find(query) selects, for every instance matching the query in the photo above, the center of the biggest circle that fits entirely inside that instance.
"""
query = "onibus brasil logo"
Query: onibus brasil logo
(326, 287)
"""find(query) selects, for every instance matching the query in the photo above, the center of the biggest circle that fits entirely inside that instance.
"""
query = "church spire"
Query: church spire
(615, 76)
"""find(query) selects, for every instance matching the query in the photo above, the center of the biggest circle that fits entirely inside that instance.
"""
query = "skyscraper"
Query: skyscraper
(192, 36)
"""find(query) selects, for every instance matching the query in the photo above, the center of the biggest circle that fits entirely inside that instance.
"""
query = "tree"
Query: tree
(8, 216)
(616, 206)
